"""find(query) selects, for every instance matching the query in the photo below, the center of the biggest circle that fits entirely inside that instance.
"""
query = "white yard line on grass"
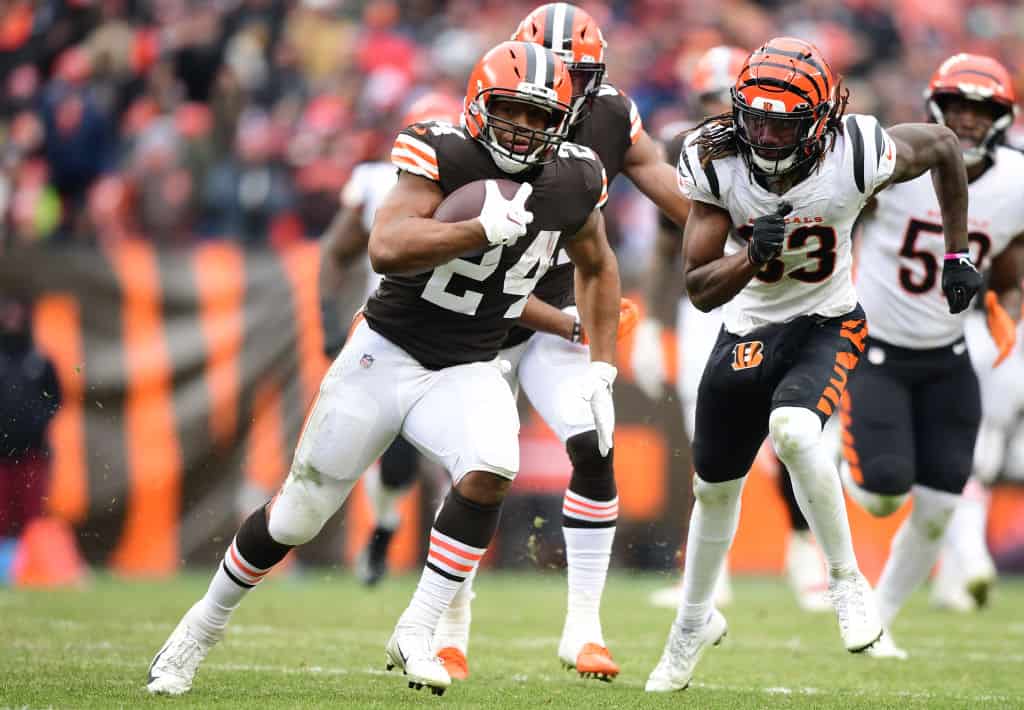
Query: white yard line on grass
(937, 650)
(563, 679)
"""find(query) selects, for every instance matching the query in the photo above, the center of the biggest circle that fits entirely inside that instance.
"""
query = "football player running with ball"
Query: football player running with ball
(776, 187)
(606, 122)
(423, 361)
(911, 414)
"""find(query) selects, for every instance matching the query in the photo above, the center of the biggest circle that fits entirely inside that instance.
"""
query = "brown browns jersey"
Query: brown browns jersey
(612, 126)
(461, 311)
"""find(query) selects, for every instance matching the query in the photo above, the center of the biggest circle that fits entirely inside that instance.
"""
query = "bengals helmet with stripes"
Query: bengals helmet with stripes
(573, 35)
(974, 77)
(785, 103)
(528, 73)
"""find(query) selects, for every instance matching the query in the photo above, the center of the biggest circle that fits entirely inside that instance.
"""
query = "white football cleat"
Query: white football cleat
(859, 622)
(682, 652)
(808, 576)
(886, 648)
(409, 650)
(174, 667)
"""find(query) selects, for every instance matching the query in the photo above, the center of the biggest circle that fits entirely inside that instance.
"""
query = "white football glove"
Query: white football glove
(597, 390)
(504, 221)
(649, 359)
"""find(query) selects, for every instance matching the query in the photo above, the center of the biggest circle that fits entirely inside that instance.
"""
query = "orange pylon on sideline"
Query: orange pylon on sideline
(47, 555)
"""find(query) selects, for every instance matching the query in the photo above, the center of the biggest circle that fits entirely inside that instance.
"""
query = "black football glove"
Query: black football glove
(960, 280)
(769, 233)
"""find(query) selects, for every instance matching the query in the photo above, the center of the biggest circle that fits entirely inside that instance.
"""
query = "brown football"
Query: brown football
(466, 202)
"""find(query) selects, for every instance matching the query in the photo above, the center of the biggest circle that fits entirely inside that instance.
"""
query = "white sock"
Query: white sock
(588, 551)
(384, 500)
(716, 514)
(796, 435)
(449, 563)
(914, 550)
(235, 577)
(453, 626)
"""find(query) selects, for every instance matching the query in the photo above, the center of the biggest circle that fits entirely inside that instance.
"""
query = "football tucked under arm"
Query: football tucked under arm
(499, 205)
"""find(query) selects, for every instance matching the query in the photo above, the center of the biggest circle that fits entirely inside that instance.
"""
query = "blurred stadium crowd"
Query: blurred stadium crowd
(183, 120)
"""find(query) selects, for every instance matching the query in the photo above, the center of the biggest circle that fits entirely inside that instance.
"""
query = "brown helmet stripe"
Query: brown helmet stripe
(567, 36)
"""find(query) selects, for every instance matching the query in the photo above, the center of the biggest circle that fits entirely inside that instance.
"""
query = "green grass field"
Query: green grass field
(317, 641)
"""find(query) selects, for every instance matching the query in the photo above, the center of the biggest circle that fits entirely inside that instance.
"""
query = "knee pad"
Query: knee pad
(593, 475)
(793, 430)
(879, 505)
(298, 513)
(717, 494)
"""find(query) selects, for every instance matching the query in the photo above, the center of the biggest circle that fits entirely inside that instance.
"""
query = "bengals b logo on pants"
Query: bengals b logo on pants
(747, 355)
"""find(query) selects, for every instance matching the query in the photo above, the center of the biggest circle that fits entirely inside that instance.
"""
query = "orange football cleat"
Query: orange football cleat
(596, 661)
(455, 662)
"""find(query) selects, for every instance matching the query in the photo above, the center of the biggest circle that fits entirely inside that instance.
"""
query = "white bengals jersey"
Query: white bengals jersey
(365, 190)
(812, 275)
(899, 260)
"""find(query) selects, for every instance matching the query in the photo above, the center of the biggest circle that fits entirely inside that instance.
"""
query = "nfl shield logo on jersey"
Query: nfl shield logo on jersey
(366, 361)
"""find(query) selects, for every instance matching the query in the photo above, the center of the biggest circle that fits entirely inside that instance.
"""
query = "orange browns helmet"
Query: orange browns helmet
(433, 106)
(716, 71)
(525, 72)
(785, 103)
(975, 78)
(573, 35)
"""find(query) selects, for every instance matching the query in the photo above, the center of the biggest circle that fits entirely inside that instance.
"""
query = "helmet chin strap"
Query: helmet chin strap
(503, 161)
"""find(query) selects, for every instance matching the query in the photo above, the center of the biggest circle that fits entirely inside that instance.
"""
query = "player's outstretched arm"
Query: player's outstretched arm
(711, 277)
(928, 146)
(646, 168)
(597, 286)
(405, 239)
